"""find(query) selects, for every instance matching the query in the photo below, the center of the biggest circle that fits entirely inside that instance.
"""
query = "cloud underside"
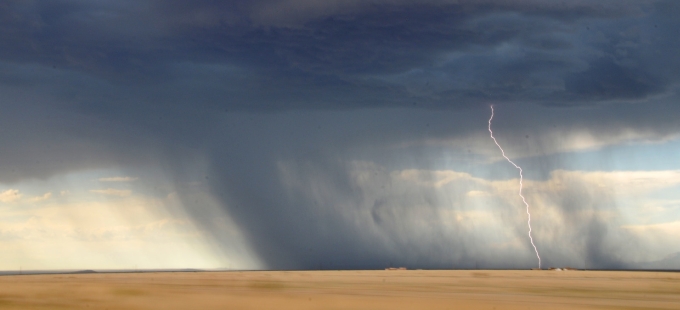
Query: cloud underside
(272, 56)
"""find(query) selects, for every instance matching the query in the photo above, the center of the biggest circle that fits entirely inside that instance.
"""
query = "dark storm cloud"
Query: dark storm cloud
(90, 84)
(351, 54)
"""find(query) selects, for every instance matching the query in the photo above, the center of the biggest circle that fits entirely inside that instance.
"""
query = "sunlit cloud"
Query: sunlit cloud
(44, 197)
(434, 178)
(15, 196)
(670, 228)
(112, 192)
(10, 195)
(476, 193)
(624, 183)
(74, 228)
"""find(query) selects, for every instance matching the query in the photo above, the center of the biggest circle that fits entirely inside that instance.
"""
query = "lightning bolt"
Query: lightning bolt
(520, 188)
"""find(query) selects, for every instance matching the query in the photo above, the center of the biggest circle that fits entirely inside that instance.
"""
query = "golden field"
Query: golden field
(402, 289)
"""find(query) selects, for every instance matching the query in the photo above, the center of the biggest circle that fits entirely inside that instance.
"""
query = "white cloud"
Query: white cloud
(661, 205)
(118, 179)
(10, 195)
(671, 228)
(112, 192)
(625, 183)
(40, 198)
(475, 193)
(109, 227)
(435, 178)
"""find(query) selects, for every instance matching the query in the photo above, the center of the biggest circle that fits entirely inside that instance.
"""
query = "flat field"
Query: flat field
(401, 289)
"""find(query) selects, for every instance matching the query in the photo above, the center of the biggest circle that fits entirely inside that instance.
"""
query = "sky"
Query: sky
(340, 134)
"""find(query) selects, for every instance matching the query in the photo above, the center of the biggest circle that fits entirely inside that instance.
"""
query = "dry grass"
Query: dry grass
(412, 289)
